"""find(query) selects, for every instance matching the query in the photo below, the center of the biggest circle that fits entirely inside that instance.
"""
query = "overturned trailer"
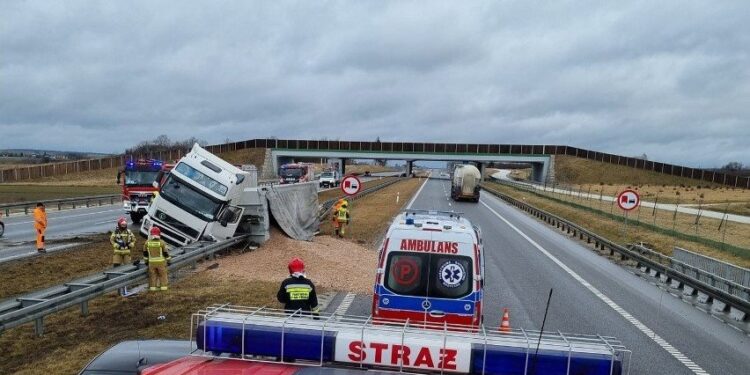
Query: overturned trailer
(207, 198)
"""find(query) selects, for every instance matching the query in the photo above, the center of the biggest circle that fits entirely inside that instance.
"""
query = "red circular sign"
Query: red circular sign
(405, 271)
(628, 200)
(351, 185)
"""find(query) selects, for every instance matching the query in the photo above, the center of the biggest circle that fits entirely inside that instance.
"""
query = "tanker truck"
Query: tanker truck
(465, 182)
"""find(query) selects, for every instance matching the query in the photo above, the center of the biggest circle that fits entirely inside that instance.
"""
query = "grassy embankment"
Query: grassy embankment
(605, 219)
(70, 340)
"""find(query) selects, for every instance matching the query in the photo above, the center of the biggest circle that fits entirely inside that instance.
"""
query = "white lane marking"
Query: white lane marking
(630, 318)
(345, 304)
(408, 206)
(64, 217)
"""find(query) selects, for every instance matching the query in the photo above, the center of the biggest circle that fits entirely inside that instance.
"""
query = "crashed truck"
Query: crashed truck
(205, 198)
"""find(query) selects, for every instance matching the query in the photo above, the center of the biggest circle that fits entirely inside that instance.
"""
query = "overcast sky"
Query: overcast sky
(669, 79)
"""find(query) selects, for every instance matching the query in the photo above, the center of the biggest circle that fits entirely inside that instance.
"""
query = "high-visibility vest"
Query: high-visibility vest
(155, 251)
(342, 214)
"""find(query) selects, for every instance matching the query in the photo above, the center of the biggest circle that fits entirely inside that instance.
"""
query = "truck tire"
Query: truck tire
(136, 217)
(2, 229)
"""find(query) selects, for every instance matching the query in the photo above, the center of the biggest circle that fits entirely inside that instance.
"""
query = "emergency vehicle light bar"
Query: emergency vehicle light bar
(260, 333)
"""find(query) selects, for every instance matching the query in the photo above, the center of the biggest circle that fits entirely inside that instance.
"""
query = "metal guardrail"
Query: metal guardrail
(88, 201)
(657, 264)
(326, 206)
(36, 305)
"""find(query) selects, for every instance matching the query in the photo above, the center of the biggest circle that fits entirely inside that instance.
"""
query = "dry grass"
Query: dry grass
(70, 341)
(574, 170)
(29, 274)
(613, 229)
(520, 174)
(685, 195)
(254, 156)
(372, 214)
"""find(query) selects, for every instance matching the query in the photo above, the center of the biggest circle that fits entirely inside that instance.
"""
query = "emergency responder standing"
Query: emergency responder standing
(157, 258)
(123, 242)
(342, 219)
(298, 292)
(40, 224)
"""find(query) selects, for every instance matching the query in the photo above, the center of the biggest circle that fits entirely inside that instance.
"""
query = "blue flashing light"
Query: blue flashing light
(512, 361)
(303, 344)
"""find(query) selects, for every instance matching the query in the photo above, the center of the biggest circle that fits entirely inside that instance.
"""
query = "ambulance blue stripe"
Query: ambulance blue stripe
(463, 306)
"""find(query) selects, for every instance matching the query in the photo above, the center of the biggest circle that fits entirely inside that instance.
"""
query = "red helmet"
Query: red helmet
(122, 222)
(155, 231)
(296, 265)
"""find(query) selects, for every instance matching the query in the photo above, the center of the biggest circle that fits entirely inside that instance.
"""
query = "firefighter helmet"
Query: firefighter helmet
(122, 223)
(155, 231)
(296, 265)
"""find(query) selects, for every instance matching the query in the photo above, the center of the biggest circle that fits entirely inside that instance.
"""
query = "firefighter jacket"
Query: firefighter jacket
(298, 293)
(122, 241)
(155, 251)
(40, 219)
(342, 215)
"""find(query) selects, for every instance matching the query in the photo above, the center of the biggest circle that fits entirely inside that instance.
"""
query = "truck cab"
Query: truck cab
(137, 179)
(430, 271)
(296, 173)
(196, 200)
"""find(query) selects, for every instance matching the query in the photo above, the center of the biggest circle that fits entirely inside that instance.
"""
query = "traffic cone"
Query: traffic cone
(505, 323)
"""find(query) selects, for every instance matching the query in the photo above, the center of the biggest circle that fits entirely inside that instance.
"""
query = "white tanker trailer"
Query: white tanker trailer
(465, 182)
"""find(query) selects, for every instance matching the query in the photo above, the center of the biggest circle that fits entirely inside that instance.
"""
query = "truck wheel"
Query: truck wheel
(136, 217)
(2, 229)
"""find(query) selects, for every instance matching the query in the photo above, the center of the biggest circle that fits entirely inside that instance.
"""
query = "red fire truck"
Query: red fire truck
(142, 178)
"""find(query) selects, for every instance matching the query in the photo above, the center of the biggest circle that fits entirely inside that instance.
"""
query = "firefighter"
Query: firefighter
(123, 242)
(40, 224)
(157, 258)
(298, 292)
(335, 210)
(342, 219)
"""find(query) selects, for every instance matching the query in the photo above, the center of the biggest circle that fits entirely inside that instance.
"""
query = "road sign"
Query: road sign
(351, 185)
(628, 200)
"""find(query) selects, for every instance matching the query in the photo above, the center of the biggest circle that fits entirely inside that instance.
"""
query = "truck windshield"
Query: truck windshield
(327, 175)
(429, 275)
(138, 178)
(201, 178)
(189, 199)
(292, 172)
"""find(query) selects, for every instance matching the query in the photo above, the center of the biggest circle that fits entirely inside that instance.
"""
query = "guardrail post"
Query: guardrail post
(85, 308)
(111, 200)
(25, 210)
(74, 205)
(39, 326)
(87, 203)
(59, 206)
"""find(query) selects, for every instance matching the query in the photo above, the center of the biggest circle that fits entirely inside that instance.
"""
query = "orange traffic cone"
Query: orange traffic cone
(505, 323)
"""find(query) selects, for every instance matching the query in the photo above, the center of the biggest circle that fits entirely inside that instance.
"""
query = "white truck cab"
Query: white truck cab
(431, 270)
(198, 200)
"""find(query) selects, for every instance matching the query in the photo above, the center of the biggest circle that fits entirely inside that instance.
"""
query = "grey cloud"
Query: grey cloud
(666, 78)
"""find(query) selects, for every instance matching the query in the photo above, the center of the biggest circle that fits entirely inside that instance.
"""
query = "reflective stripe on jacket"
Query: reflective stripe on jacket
(120, 238)
(342, 214)
(155, 251)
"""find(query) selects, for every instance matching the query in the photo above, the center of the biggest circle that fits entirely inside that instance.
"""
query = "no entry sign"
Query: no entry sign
(351, 185)
(628, 200)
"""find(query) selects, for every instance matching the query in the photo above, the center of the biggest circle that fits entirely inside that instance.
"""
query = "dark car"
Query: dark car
(129, 357)
(2, 226)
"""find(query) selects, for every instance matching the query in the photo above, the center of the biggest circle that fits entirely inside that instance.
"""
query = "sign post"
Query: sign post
(351, 186)
(628, 200)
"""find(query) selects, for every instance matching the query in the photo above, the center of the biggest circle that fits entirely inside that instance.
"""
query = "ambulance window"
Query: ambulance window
(404, 274)
(451, 276)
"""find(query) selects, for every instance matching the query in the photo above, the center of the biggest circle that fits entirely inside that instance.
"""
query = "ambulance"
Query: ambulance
(430, 271)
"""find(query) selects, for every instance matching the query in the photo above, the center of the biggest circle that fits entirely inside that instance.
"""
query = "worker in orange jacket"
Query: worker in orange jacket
(40, 224)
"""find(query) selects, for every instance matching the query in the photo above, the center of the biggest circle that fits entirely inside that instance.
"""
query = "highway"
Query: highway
(525, 259)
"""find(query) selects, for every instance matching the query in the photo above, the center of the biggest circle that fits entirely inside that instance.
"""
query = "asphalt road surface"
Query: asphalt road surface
(526, 258)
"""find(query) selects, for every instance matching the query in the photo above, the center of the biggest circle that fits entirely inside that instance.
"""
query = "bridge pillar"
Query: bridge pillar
(538, 172)
(409, 167)
(481, 166)
(342, 167)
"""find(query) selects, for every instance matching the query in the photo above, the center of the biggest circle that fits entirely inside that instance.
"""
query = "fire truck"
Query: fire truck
(141, 179)
(295, 173)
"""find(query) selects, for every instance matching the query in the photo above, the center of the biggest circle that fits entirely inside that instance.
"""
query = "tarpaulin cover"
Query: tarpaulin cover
(295, 208)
